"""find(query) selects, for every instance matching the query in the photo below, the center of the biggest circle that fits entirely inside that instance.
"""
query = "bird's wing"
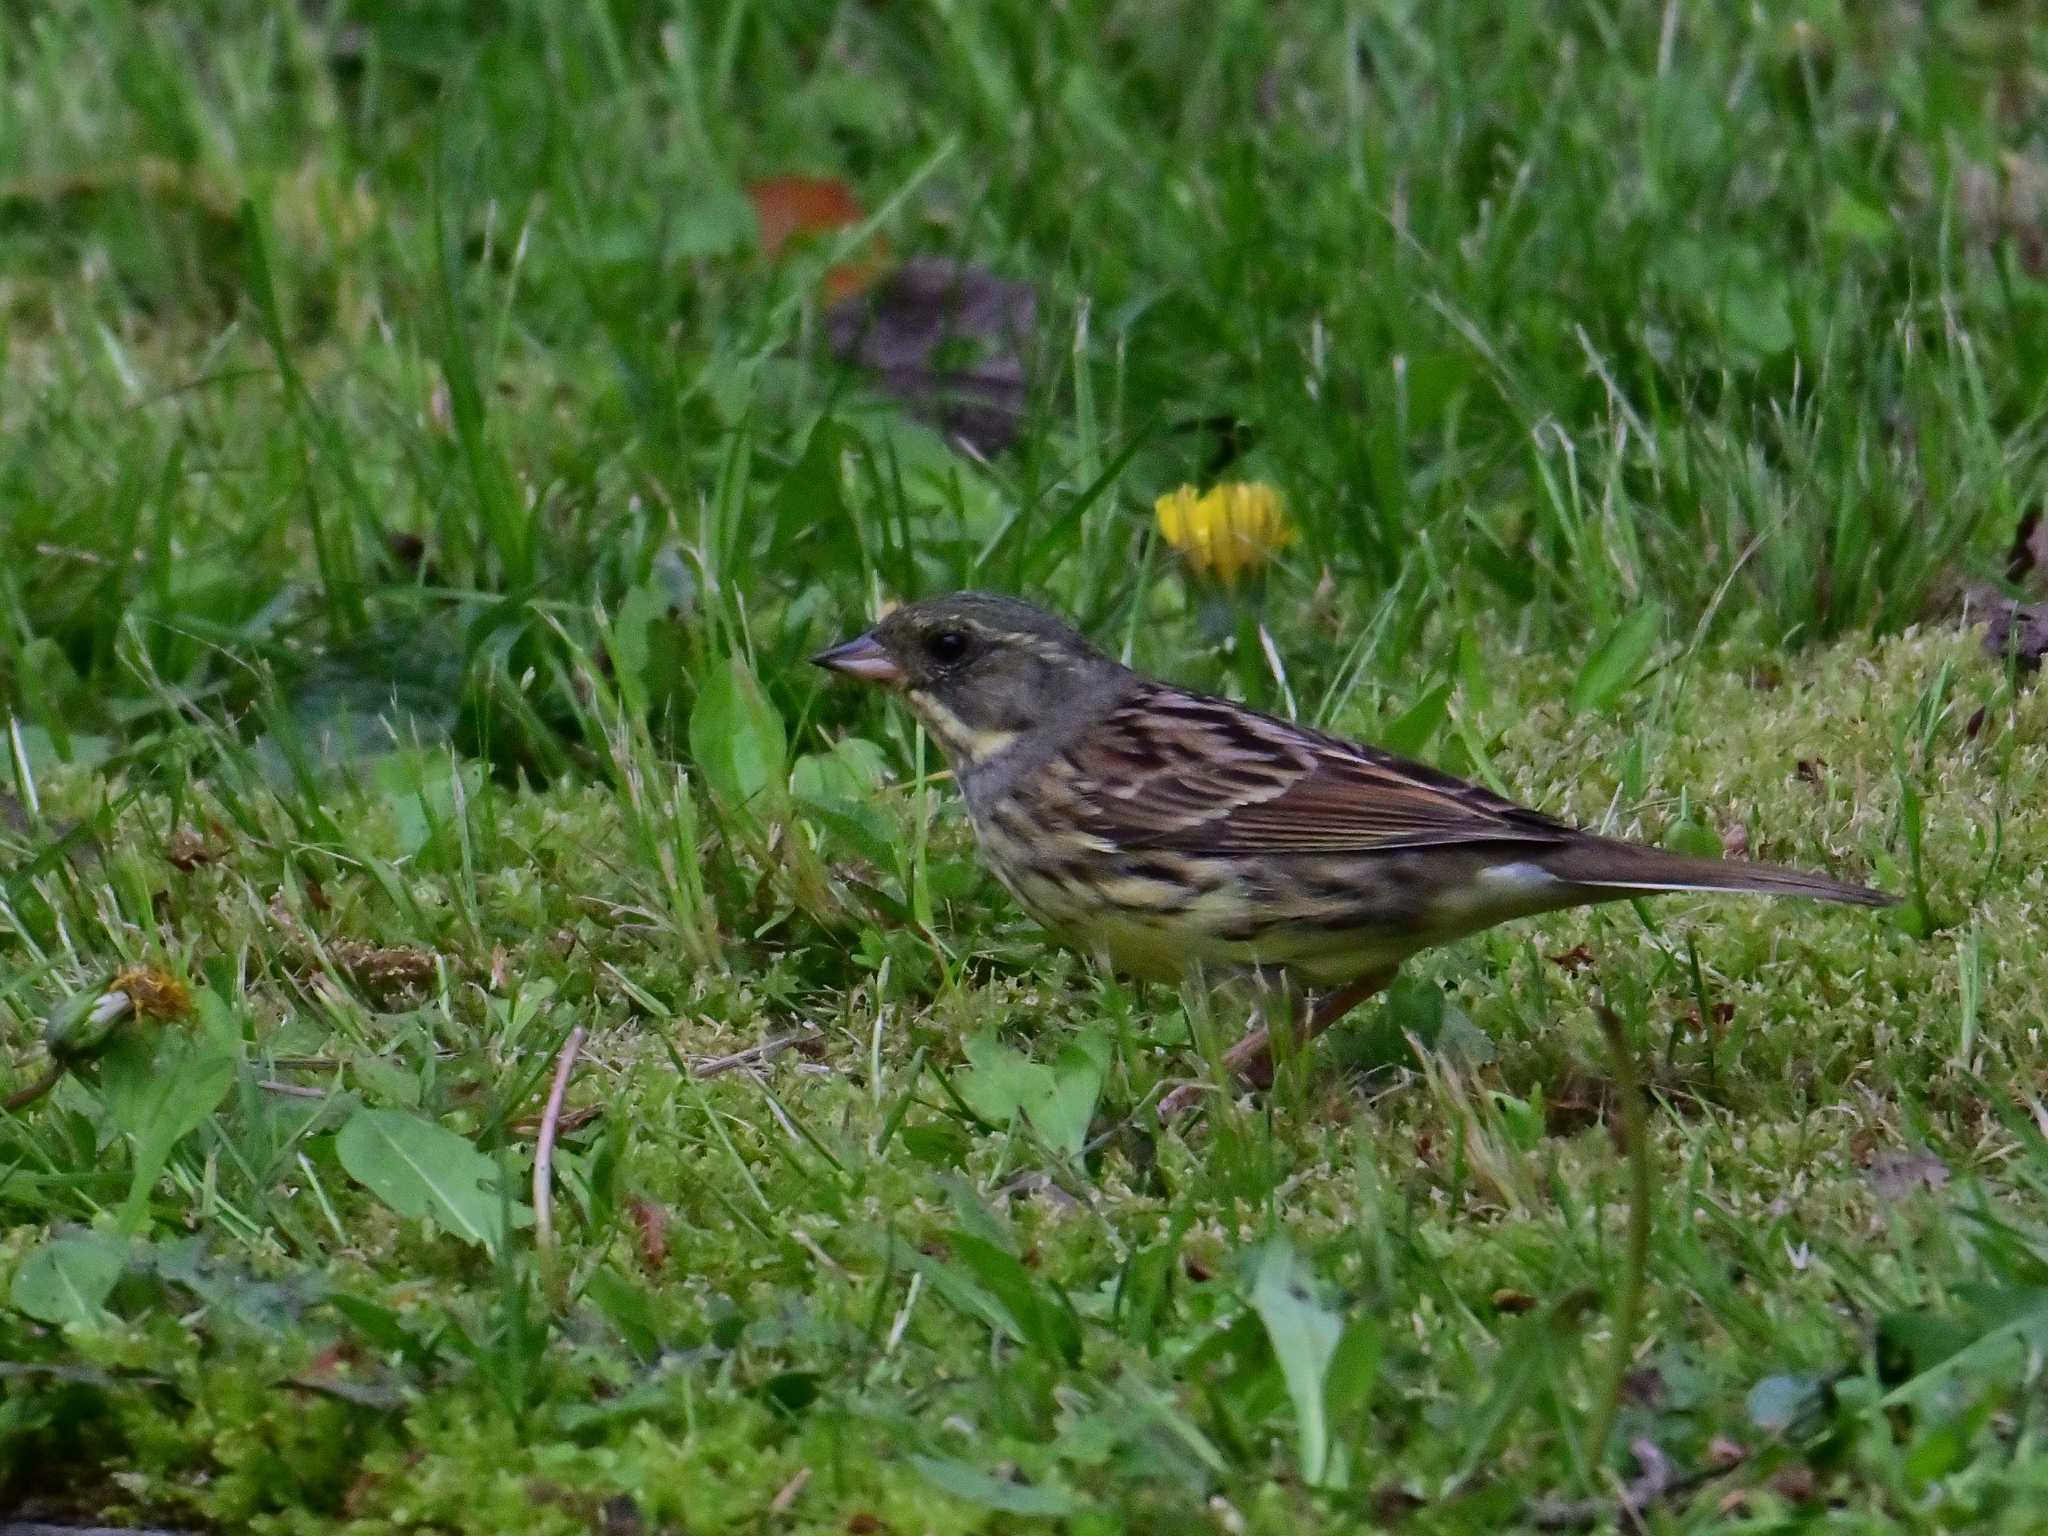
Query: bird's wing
(1176, 770)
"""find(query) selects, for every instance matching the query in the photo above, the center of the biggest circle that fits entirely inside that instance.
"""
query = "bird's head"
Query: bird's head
(978, 669)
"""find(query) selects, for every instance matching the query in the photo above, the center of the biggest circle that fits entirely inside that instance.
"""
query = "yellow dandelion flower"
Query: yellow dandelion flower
(1226, 530)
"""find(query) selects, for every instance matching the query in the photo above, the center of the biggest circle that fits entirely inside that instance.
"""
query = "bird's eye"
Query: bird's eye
(945, 646)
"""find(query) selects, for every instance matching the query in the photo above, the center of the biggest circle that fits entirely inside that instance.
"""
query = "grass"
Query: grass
(418, 494)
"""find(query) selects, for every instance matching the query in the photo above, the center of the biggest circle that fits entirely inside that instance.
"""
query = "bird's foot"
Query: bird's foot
(1251, 1059)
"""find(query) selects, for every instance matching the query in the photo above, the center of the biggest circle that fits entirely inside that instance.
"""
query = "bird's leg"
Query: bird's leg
(1252, 1057)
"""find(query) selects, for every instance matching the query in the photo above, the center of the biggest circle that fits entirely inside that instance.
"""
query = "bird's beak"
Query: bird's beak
(862, 657)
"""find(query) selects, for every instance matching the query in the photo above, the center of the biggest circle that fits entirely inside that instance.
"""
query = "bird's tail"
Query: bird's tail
(1604, 865)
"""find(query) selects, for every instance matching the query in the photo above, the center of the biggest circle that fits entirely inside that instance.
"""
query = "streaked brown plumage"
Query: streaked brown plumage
(1163, 829)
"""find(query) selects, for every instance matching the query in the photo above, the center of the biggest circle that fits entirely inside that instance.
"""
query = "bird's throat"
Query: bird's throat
(965, 745)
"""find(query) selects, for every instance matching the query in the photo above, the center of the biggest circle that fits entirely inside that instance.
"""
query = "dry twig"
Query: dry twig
(544, 1154)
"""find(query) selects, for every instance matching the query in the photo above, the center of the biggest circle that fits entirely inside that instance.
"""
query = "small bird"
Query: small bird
(1164, 829)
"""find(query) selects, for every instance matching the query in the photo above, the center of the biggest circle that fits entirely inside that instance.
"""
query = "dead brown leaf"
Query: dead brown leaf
(2018, 631)
(188, 850)
(1723, 1452)
(1794, 1483)
(569, 1122)
(948, 339)
(1899, 1174)
(1656, 1481)
(384, 970)
(650, 1221)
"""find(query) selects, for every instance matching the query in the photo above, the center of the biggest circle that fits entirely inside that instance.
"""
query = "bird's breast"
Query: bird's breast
(1160, 913)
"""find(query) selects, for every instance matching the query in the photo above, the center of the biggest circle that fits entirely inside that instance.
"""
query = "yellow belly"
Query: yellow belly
(1126, 926)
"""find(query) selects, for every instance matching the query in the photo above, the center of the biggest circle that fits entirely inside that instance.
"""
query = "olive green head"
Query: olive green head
(979, 669)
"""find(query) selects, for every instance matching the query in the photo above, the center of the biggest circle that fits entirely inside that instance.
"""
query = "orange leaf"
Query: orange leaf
(785, 206)
(792, 207)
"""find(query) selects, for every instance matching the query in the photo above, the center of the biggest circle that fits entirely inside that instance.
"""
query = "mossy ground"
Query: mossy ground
(420, 496)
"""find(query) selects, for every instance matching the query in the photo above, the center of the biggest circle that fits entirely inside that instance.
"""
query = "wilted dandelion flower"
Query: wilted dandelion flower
(1226, 530)
(84, 1024)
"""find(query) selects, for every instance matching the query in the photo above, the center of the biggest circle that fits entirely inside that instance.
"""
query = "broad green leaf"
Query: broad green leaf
(420, 789)
(837, 790)
(1994, 1326)
(384, 1080)
(858, 827)
(976, 1216)
(229, 1291)
(1778, 1402)
(1617, 661)
(1065, 1111)
(810, 500)
(736, 736)
(383, 1328)
(1462, 1041)
(999, 1078)
(1756, 308)
(854, 769)
(958, 1289)
(1144, 1288)
(43, 753)
(1059, 1100)
(1690, 835)
(715, 220)
(1354, 1369)
(629, 1308)
(423, 1170)
(68, 1279)
(1304, 1335)
(158, 1091)
(977, 1487)
(1849, 218)
(397, 685)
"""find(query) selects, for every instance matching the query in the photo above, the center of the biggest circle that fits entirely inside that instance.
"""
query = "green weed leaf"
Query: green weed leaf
(157, 1093)
(424, 1170)
(1776, 1403)
(396, 686)
(1058, 1100)
(68, 1279)
(1993, 1328)
(976, 1487)
(736, 737)
(1528, 1362)
(1304, 1335)
(630, 648)
(837, 789)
